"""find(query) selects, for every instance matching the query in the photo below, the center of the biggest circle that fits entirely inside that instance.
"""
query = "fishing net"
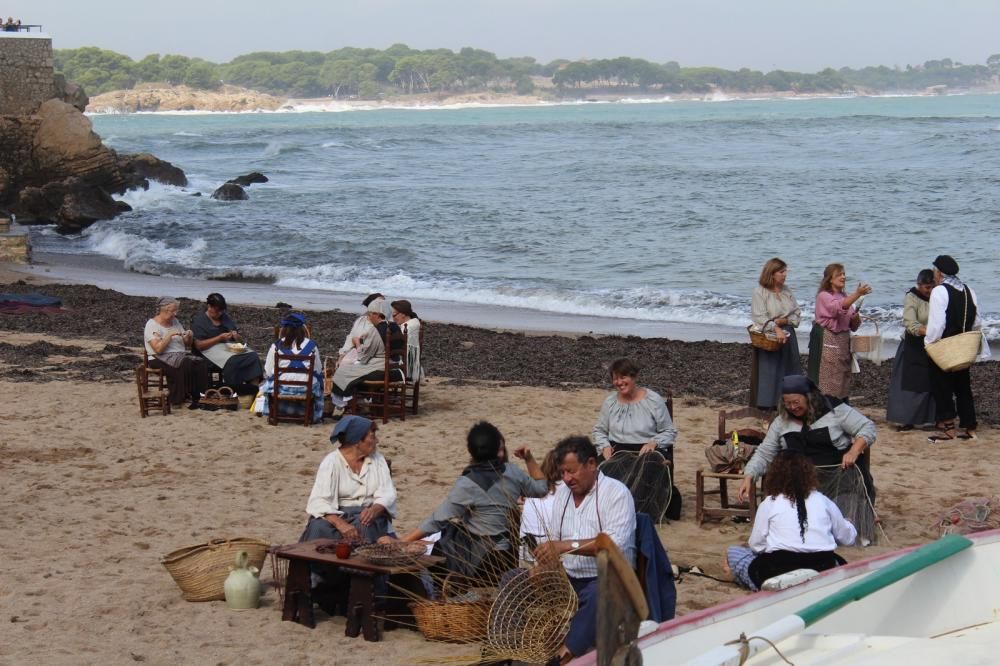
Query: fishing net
(531, 615)
(648, 478)
(847, 489)
(972, 515)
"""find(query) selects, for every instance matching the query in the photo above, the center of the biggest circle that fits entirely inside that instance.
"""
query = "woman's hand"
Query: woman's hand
(348, 531)
(386, 540)
(607, 452)
(745, 488)
(779, 322)
(648, 447)
(863, 289)
(851, 456)
(371, 514)
(780, 335)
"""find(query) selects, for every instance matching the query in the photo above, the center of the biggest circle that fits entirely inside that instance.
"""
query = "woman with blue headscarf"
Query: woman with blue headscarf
(292, 340)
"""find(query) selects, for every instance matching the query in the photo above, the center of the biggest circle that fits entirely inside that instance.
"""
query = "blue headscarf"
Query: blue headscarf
(354, 429)
(293, 320)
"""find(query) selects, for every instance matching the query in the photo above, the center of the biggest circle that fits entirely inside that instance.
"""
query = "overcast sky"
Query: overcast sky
(803, 35)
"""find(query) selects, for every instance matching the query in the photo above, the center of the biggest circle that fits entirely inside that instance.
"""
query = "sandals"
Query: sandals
(945, 431)
(968, 435)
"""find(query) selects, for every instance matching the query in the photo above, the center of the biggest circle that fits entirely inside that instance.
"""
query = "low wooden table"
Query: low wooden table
(361, 617)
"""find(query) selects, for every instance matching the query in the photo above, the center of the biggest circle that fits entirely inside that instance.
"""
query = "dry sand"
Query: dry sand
(94, 496)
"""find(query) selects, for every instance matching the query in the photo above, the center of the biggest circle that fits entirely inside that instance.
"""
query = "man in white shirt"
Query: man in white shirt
(589, 503)
(953, 309)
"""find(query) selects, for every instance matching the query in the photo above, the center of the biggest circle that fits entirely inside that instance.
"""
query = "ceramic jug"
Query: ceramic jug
(242, 587)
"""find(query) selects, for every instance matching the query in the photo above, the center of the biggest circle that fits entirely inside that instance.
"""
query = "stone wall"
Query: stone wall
(25, 72)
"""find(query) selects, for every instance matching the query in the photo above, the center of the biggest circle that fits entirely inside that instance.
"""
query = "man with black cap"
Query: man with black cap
(954, 309)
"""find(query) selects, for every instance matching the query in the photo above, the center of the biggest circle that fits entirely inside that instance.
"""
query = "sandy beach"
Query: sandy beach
(95, 496)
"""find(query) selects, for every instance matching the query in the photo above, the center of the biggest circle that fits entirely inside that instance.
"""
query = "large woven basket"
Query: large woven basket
(957, 352)
(763, 341)
(452, 620)
(201, 571)
(864, 344)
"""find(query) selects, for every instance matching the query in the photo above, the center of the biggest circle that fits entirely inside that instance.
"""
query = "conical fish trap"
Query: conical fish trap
(530, 618)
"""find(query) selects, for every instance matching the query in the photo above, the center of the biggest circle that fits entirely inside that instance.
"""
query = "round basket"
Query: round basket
(762, 341)
(201, 571)
(451, 620)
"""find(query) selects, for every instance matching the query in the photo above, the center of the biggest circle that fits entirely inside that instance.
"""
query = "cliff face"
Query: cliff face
(53, 167)
(149, 97)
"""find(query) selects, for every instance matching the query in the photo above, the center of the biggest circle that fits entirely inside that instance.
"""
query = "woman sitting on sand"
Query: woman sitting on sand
(633, 418)
(796, 527)
(216, 338)
(292, 340)
(833, 437)
(830, 357)
(167, 344)
(477, 518)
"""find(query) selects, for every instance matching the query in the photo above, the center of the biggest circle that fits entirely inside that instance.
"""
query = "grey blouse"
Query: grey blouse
(634, 422)
(766, 305)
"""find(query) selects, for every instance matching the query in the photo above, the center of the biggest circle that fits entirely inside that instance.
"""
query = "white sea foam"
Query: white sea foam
(157, 196)
(182, 133)
(141, 253)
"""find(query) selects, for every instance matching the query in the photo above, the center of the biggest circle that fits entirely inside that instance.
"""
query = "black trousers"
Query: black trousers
(953, 396)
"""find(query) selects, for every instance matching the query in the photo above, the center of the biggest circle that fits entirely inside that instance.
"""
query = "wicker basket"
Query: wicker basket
(453, 621)
(200, 571)
(864, 344)
(761, 340)
(391, 554)
(956, 352)
(221, 398)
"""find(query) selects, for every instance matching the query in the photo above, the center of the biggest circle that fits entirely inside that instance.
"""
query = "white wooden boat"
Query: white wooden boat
(938, 603)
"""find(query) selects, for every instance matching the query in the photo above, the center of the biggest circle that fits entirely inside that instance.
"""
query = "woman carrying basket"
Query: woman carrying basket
(830, 357)
(775, 312)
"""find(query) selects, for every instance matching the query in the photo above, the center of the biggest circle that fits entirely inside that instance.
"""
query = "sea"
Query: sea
(650, 216)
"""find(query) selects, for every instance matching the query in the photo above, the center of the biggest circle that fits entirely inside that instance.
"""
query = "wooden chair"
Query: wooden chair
(287, 376)
(387, 395)
(153, 393)
(727, 509)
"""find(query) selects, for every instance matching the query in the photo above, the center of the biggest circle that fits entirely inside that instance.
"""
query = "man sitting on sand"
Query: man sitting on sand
(589, 503)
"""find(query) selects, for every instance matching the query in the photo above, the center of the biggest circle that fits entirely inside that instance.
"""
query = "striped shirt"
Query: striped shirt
(608, 508)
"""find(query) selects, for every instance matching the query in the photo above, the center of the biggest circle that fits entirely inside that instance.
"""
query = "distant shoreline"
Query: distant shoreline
(232, 99)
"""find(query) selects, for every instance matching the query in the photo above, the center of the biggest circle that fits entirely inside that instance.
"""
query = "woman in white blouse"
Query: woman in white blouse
(796, 527)
(633, 418)
(353, 497)
(775, 312)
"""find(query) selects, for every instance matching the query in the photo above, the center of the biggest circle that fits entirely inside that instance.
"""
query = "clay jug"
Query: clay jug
(242, 587)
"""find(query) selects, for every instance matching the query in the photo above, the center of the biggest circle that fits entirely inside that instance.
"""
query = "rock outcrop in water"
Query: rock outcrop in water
(230, 192)
(54, 169)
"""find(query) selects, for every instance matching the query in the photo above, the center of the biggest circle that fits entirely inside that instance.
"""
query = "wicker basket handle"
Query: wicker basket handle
(215, 544)
(225, 392)
(212, 394)
(444, 586)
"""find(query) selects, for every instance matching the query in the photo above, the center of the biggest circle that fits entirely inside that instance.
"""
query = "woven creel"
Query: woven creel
(763, 341)
(201, 571)
(221, 398)
(453, 620)
(957, 352)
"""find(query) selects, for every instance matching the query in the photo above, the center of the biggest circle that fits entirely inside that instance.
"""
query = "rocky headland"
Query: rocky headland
(163, 98)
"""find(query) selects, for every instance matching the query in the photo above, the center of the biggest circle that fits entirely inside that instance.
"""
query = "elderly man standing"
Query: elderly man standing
(954, 308)
(589, 503)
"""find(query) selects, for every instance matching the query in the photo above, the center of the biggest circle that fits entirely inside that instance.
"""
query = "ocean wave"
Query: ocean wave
(141, 254)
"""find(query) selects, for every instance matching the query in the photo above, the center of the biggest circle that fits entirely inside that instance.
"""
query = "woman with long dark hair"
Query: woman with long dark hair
(796, 527)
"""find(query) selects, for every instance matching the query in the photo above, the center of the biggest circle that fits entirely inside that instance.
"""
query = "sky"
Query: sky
(798, 35)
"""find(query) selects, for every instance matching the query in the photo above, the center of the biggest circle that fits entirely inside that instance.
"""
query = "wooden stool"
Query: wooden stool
(726, 509)
(153, 393)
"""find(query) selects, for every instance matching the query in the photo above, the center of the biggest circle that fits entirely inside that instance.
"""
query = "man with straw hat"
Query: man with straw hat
(954, 309)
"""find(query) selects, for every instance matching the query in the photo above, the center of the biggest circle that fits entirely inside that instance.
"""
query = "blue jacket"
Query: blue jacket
(661, 594)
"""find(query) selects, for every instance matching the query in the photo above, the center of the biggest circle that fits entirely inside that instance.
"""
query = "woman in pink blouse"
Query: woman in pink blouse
(830, 339)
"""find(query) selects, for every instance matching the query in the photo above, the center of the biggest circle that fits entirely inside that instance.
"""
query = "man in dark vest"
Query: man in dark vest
(954, 308)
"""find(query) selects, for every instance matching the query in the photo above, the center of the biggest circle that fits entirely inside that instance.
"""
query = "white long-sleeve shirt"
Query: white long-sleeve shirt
(338, 487)
(938, 312)
(608, 508)
(776, 526)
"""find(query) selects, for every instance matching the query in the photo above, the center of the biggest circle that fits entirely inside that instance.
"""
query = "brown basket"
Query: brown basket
(201, 571)
(452, 621)
(221, 398)
(391, 554)
(761, 340)
(863, 344)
